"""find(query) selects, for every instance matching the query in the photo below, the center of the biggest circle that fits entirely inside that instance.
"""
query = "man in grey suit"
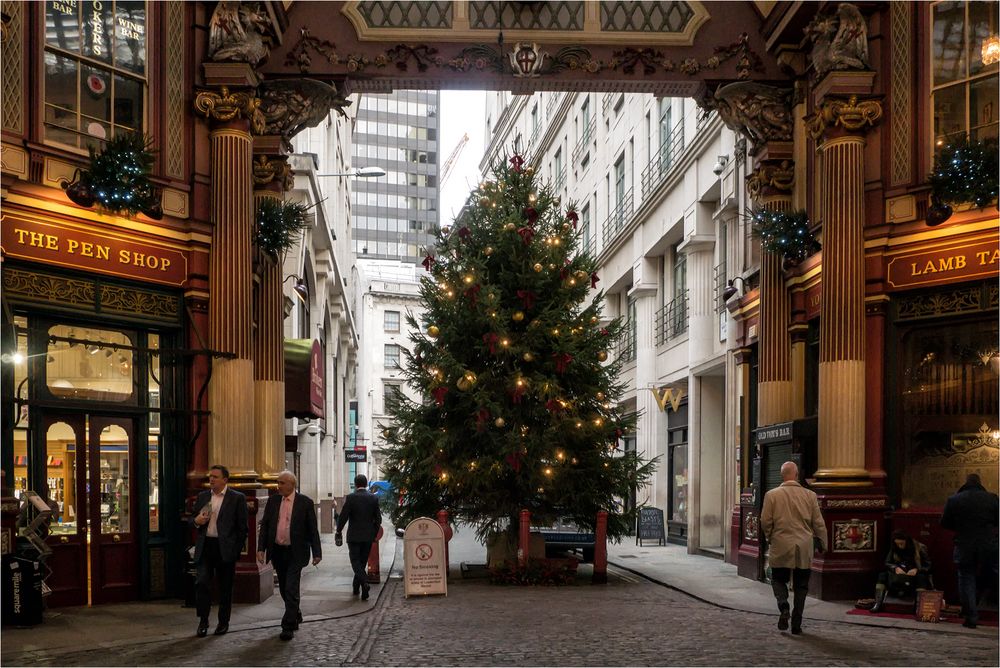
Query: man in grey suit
(221, 521)
(793, 525)
(288, 534)
(362, 515)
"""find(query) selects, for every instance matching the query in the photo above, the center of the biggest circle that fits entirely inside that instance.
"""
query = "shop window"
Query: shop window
(965, 85)
(114, 493)
(948, 405)
(87, 363)
(60, 477)
(95, 70)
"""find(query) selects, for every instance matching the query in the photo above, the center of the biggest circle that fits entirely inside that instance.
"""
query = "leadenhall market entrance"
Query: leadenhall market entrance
(90, 424)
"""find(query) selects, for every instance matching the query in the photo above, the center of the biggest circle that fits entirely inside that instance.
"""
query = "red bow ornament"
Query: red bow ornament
(593, 280)
(517, 162)
(527, 298)
(472, 294)
(514, 459)
(464, 233)
(439, 394)
(553, 406)
(490, 340)
(428, 262)
(572, 217)
(481, 418)
(530, 214)
(562, 361)
(527, 234)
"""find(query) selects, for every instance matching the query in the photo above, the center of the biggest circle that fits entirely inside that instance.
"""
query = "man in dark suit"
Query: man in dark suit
(972, 514)
(221, 520)
(362, 515)
(288, 533)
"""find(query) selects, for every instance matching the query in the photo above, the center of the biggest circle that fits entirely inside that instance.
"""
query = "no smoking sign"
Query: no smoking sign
(424, 552)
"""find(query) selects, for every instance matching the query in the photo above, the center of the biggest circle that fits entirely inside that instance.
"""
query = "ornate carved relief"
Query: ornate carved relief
(901, 91)
(780, 177)
(225, 106)
(952, 302)
(238, 33)
(848, 114)
(173, 150)
(13, 66)
(55, 289)
(759, 112)
(751, 527)
(139, 302)
(840, 41)
(855, 503)
(266, 170)
(291, 105)
(854, 536)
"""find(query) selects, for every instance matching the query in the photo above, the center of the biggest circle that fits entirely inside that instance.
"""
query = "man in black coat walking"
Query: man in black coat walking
(972, 514)
(288, 533)
(221, 520)
(361, 513)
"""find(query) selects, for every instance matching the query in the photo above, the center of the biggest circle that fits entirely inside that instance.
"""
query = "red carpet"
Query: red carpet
(986, 617)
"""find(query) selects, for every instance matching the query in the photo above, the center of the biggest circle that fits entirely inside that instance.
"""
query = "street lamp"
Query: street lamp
(361, 173)
(731, 289)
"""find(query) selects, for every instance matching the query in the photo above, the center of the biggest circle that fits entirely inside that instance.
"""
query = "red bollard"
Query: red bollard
(442, 518)
(601, 549)
(374, 573)
(524, 539)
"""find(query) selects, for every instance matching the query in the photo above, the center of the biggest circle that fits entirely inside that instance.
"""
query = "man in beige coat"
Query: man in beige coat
(790, 521)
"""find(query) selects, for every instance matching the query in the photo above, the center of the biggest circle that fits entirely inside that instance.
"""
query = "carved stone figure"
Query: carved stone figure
(291, 105)
(840, 42)
(238, 33)
(759, 112)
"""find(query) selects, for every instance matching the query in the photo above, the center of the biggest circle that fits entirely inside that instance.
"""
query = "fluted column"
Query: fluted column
(770, 185)
(651, 421)
(840, 125)
(270, 176)
(230, 391)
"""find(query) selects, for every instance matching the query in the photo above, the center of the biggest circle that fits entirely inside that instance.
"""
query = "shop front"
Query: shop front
(92, 397)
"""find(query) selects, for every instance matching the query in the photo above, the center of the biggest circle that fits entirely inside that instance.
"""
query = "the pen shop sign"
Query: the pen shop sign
(54, 244)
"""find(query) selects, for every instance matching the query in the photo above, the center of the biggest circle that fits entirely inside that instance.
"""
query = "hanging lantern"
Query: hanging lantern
(991, 50)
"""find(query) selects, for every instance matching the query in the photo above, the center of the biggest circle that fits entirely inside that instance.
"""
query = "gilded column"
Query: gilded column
(270, 178)
(230, 390)
(840, 125)
(770, 185)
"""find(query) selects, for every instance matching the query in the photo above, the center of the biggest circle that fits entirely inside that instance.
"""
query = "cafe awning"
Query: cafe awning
(305, 387)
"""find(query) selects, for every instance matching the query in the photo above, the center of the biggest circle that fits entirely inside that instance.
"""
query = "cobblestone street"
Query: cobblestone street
(629, 622)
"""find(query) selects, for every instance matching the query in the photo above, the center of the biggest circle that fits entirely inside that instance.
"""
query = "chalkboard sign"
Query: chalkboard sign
(650, 526)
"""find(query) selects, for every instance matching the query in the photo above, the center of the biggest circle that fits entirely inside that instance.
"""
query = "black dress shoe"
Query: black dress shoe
(203, 628)
(364, 593)
(287, 634)
(783, 620)
(222, 629)
(969, 625)
(796, 630)
(355, 591)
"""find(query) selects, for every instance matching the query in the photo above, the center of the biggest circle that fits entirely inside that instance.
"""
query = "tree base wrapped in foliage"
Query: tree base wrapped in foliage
(536, 572)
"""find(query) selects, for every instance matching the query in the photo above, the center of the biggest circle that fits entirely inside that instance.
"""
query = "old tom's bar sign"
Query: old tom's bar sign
(945, 265)
(54, 244)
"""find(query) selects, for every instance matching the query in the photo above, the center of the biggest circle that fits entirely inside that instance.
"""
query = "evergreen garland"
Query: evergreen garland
(118, 177)
(965, 172)
(785, 233)
(279, 224)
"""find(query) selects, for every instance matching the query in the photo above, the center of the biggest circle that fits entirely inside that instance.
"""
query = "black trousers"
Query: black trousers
(903, 585)
(289, 584)
(212, 567)
(779, 584)
(359, 562)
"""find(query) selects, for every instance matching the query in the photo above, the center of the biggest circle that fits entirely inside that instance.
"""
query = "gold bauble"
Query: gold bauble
(510, 227)
(593, 319)
(552, 267)
(463, 383)
(517, 316)
(537, 267)
(565, 227)
(484, 202)
(433, 331)
(602, 355)
(470, 377)
(600, 396)
(488, 250)
(580, 275)
(528, 357)
(499, 422)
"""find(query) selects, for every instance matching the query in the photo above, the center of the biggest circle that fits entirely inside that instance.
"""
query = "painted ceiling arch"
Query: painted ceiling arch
(676, 48)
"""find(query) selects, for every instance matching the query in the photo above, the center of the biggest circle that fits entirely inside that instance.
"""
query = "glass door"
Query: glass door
(65, 464)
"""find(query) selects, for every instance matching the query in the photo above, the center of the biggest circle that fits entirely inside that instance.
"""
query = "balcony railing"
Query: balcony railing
(588, 244)
(719, 280)
(606, 103)
(583, 145)
(672, 319)
(550, 106)
(704, 118)
(661, 163)
(560, 179)
(627, 344)
(618, 217)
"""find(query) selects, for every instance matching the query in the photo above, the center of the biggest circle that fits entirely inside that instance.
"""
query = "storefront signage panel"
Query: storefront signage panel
(54, 244)
(358, 454)
(945, 265)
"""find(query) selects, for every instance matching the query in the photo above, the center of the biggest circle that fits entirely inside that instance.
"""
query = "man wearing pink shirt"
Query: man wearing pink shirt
(288, 532)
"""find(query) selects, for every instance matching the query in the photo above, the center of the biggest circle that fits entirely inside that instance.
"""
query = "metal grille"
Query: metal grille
(560, 179)
(526, 15)
(618, 218)
(583, 145)
(664, 160)
(406, 14)
(719, 281)
(13, 83)
(672, 319)
(627, 344)
(645, 16)
(174, 113)
(550, 106)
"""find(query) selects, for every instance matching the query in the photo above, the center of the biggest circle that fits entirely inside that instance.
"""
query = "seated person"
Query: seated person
(907, 569)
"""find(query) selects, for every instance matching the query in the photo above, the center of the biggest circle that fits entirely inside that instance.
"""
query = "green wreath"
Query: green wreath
(118, 177)
(279, 224)
(965, 172)
(785, 233)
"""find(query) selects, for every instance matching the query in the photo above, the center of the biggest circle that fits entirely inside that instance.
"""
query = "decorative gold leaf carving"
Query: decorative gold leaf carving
(850, 114)
(224, 106)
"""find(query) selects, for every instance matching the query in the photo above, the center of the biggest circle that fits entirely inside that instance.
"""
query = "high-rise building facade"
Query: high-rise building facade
(395, 216)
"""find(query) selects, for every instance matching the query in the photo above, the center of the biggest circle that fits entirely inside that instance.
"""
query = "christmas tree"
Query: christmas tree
(520, 403)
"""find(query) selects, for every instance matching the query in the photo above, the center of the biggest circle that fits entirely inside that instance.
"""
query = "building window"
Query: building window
(390, 392)
(588, 239)
(95, 70)
(391, 321)
(964, 88)
(665, 129)
(391, 356)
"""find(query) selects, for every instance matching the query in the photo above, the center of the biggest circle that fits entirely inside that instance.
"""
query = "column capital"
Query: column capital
(274, 171)
(848, 116)
(771, 179)
(224, 106)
